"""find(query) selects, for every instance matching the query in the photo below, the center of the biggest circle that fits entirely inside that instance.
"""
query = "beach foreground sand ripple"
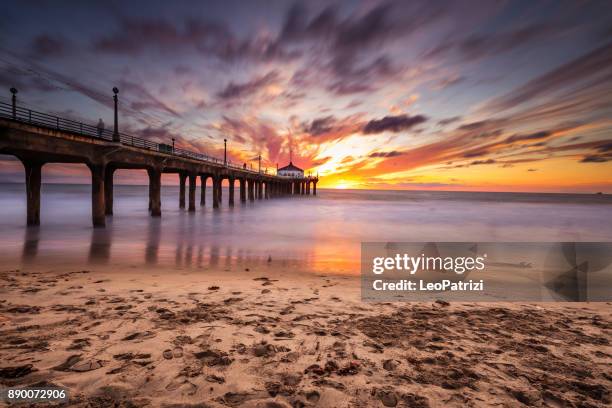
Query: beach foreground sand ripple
(271, 338)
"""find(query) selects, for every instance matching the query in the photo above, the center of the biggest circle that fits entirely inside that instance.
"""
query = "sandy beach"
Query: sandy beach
(264, 336)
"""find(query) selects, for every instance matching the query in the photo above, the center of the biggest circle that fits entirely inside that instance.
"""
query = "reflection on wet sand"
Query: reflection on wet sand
(30, 243)
(100, 245)
(152, 245)
(187, 250)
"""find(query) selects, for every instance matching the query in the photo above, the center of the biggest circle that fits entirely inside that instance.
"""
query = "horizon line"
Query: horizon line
(362, 189)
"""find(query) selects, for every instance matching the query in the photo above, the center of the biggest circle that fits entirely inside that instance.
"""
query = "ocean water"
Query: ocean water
(320, 234)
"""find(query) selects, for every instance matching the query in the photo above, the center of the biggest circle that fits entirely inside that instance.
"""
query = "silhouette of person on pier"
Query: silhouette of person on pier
(100, 127)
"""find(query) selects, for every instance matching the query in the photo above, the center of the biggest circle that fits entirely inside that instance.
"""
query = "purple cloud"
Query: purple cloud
(393, 124)
(246, 89)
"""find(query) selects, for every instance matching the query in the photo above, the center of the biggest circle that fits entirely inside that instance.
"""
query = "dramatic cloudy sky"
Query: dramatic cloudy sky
(461, 95)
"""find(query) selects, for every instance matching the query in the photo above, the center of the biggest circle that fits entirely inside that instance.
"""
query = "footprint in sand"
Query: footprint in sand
(70, 361)
(387, 397)
(138, 335)
(16, 372)
(24, 309)
(182, 385)
(75, 363)
(235, 399)
(313, 396)
(212, 357)
(88, 365)
(215, 379)
(391, 365)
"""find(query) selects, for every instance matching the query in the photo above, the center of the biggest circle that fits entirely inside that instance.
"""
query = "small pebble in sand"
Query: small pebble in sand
(167, 354)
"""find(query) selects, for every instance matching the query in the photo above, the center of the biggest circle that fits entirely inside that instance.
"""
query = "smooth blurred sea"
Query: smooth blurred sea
(320, 234)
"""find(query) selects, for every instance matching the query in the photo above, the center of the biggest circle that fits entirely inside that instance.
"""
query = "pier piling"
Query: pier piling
(155, 192)
(231, 192)
(98, 208)
(203, 179)
(108, 190)
(242, 190)
(192, 192)
(251, 190)
(33, 174)
(182, 179)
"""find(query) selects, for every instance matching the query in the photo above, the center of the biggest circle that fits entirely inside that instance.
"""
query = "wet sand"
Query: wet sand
(265, 337)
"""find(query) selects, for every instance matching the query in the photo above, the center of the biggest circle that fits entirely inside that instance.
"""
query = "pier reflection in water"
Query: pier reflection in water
(321, 236)
(209, 238)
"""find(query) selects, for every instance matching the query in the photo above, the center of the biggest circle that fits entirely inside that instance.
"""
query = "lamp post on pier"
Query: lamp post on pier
(173, 139)
(14, 99)
(116, 137)
(225, 152)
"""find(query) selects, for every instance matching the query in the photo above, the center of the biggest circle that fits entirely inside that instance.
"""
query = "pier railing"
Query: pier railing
(32, 117)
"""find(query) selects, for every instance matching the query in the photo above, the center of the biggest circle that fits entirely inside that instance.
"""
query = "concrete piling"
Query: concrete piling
(98, 208)
(203, 179)
(108, 190)
(231, 192)
(155, 192)
(192, 192)
(251, 189)
(182, 179)
(242, 190)
(33, 173)
(215, 193)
